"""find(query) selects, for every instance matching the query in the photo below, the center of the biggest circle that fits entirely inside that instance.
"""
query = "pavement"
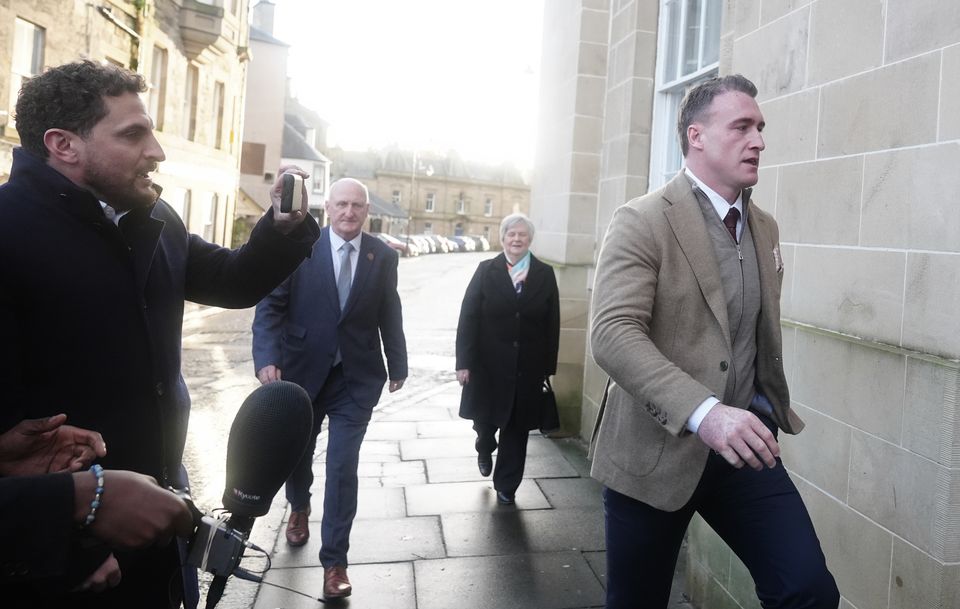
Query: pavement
(429, 533)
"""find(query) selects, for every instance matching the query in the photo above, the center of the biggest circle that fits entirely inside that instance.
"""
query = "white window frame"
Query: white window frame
(488, 207)
(666, 157)
(188, 126)
(431, 202)
(158, 87)
(397, 197)
(461, 206)
(319, 178)
(219, 110)
(210, 211)
(26, 60)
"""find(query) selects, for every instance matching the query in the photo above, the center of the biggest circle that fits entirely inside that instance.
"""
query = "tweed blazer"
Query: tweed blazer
(661, 333)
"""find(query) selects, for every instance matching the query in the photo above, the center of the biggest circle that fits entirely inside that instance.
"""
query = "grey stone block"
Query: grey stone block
(371, 541)
(561, 580)
(375, 586)
(572, 492)
(512, 531)
(425, 499)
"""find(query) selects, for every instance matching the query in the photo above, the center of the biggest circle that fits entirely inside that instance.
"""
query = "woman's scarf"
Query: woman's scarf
(518, 271)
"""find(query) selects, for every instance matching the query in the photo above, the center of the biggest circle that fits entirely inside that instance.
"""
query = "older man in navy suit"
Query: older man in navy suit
(322, 329)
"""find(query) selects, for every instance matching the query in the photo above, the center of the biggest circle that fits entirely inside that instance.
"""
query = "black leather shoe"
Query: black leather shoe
(505, 498)
(485, 464)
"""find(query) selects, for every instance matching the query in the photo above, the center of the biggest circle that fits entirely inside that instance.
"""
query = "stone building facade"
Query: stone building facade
(446, 195)
(193, 55)
(862, 103)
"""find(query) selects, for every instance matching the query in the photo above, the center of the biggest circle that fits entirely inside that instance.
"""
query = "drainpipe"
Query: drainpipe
(107, 13)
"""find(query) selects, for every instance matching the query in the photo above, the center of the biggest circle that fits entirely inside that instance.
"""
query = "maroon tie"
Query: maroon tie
(730, 221)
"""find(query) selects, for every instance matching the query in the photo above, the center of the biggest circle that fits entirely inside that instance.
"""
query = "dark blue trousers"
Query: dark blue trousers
(759, 514)
(345, 430)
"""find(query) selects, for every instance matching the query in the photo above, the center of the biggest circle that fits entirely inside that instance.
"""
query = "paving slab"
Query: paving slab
(385, 430)
(425, 499)
(464, 469)
(572, 492)
(558, 580)
(376, 586)
(446, 429)
(575, 452)
(420, 413)
(380, 450)
(429, 448)
(381, 503)
(371, 541)
(510, 530)
(432, 448)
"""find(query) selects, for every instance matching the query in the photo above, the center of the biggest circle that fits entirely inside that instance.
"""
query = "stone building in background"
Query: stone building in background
(862, 103)
(278, 129)
(193, 56)
(445, 195)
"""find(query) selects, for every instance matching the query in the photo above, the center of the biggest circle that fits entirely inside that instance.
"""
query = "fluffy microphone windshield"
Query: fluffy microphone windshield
(267, 438)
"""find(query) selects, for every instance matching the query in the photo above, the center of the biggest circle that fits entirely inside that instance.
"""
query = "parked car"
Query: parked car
(449, 244)
(426, 240)
(403, 248)
(422, 243)
(464, 243)
(440, 246)
(483, 245)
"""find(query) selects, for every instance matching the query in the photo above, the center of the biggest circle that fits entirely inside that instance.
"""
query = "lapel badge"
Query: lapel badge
(370, 256)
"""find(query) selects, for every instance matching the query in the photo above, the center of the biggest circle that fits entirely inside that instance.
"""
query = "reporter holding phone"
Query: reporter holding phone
(96, 268)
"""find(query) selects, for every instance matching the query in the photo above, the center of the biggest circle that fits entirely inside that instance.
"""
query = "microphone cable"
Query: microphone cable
(257, 577)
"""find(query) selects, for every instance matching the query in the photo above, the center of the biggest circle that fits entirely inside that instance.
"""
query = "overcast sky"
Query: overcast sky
(426, 74)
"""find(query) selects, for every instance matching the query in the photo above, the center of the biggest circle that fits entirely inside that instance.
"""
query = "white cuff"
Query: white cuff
(693, 423)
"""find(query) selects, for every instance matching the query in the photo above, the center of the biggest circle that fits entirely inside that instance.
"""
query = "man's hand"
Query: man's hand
(396, 385)
(106, 576)
(285, 223)
(134, 511)
(463, 377)
(42, 446)
(268, 374)
(739, 437)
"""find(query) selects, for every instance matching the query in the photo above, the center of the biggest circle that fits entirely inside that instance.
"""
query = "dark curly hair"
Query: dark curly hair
(698, 100)
(69, 97)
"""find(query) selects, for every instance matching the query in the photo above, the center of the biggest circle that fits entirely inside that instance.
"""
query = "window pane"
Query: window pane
(158, 86)
(672, 8)
(674, 156)
(218, 94)
(691, 37)
(711, 32)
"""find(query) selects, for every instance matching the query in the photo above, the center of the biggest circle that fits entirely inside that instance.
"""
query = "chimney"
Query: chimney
(263, 16)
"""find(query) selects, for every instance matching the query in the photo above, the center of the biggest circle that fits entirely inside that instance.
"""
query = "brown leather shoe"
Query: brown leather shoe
(336, 584)
(298, 529)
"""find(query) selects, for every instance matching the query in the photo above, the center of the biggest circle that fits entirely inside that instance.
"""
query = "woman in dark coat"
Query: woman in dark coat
(507, 342)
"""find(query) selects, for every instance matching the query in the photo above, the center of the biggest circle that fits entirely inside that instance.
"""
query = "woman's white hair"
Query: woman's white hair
(512, 219)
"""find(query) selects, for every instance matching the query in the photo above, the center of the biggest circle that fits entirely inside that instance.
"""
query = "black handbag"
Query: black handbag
(549, 416)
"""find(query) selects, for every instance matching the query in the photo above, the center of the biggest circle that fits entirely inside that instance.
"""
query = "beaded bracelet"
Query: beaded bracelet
(97, 472)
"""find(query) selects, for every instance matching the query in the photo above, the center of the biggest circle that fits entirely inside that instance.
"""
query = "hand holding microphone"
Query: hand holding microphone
(134, 510)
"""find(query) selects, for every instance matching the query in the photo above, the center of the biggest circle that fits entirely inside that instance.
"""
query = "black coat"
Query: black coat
(509, 343)
(91, 317)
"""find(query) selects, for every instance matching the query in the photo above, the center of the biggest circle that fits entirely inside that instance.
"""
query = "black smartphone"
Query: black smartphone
(291, 187)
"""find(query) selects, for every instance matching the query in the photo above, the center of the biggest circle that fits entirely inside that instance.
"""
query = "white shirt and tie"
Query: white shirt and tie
(339, 257)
